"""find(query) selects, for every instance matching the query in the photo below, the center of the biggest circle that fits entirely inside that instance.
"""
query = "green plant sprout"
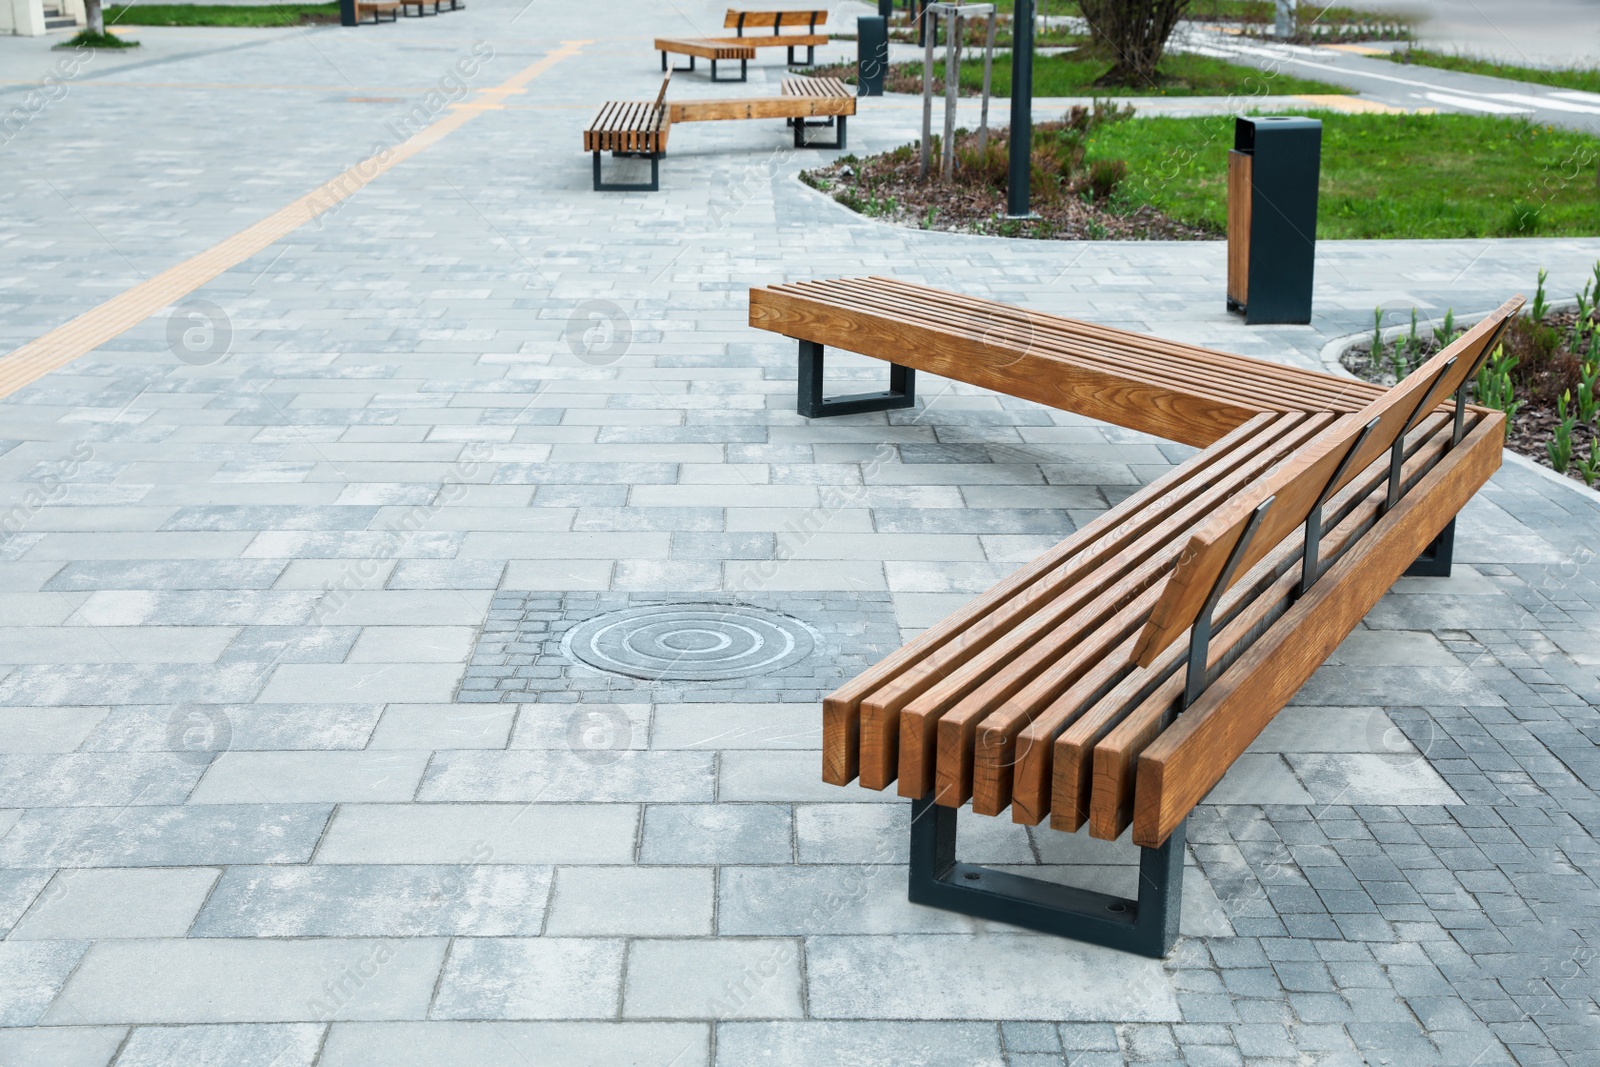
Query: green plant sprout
(1540, 305)
(1585, 309)
(1446, 333)
(1587, 402)
(1413, 342)
(1589, 469)
(1560, 447)
(1494, 385)
(1377, 334)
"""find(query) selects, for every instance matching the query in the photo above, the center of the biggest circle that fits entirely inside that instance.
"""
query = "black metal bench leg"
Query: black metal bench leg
(801, 125)
(630, 187)
(743, 72)
(902, 391)
(1436, 558)
(1148, 925)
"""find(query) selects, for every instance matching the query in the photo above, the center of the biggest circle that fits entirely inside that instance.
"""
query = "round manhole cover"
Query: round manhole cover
(699, 642)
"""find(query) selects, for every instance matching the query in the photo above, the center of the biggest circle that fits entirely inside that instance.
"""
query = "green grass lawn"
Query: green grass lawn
(1586, 78)
(1182, 74)
(1383, 176)
(216, 14)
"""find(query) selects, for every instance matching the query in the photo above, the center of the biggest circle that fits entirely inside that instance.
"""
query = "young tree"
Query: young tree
(95, 17)
(1133, 33)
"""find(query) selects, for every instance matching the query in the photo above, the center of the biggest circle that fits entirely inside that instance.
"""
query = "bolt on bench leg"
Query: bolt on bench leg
(902, 391)
(1148, 925)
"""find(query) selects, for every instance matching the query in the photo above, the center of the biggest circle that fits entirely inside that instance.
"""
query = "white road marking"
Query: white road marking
(1545, 101)
(1476, 104)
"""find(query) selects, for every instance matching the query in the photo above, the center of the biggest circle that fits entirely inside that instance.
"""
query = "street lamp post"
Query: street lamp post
(1021, 108)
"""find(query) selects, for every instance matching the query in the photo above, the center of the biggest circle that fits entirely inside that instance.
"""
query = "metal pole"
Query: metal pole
(988, 68)
(952, 85)
(1021, 108)
(927, 96)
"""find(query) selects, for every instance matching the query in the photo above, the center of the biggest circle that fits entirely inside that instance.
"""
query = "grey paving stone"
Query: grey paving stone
(249, 1045)
(632, 901)
(61, 1046)
(502, 1044)
(192, 730)
(217, 980)
(46, 729)
(300, 777)
(722, 978)
(957, 976)
(716, 833)
(18, 889)
(804, 901)
(487, 833)
(530, 978)
(814, 1044)
(554, 775)
(436, 726)
(98, 903)
(177, 836)
(328, 900)
(31, 975)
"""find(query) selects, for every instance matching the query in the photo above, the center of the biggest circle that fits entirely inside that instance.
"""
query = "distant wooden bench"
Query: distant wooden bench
(376, 8)
(631, 128)
(743, 46)
(1113, 681)
(800, 100)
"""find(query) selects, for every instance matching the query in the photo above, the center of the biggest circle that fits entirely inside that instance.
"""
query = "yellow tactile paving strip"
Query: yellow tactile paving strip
(127, 309)
(1354, 105)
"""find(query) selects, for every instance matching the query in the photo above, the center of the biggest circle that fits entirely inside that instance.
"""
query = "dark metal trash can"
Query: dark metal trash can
(347, 13)
(872, 54)
(1272, 217)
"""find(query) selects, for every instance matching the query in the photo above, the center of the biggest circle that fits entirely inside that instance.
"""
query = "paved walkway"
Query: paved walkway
(306, 758)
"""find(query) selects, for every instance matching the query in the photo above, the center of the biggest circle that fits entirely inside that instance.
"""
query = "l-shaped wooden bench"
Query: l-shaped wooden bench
(742, 47)
(1113, 681)
(641, 127)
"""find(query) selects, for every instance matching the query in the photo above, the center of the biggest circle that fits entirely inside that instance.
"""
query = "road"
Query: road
(1408, 86)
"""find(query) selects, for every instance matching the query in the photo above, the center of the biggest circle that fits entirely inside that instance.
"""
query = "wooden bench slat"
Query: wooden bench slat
(706, 48)
(1318, 387)
(1112, 790)
(773, 19)
(841, 708)
(994, 638)
(1054, 774)
(1183, 764)
(1292, 390)
(772, 107)
(992, 686)
(1161, 408)
(1295, 488)
(1169, 368)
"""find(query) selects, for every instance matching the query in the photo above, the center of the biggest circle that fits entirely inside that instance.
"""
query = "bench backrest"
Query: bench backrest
(1289, 495)
(662, 95)
(774, 20)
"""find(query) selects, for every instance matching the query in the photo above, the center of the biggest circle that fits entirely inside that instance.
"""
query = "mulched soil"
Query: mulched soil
(1539, 381)
(887, 187)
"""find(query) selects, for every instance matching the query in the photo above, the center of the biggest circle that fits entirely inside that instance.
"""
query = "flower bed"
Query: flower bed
(1545, 375)
(1073, 196)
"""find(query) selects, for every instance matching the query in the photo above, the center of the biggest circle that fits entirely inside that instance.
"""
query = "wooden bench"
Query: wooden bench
(377, 8)
(801, 100)
(631, 128)
(1180, 392)
(1113, 681)
(743, 47)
